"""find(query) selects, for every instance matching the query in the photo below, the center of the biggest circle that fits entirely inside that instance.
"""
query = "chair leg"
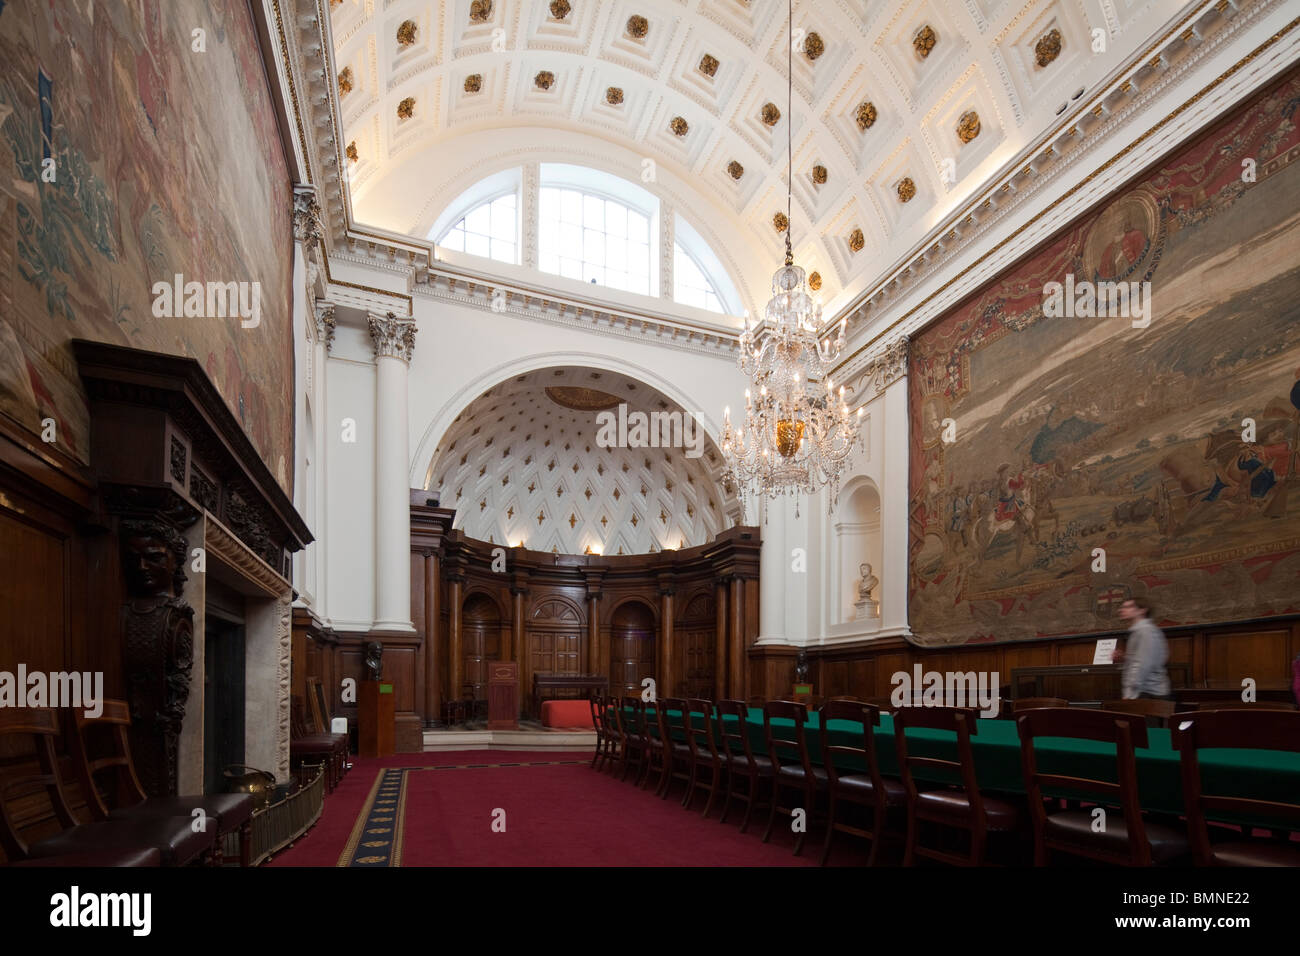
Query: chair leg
(726, 802)
(713, 789)
(830, 827)
(878, 814)
(750, 798)
(691, 776)
(810, 803)
(771, 816)
(909, 849)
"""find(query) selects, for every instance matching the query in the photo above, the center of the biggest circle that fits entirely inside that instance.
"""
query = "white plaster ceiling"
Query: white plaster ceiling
(408, 169)
(520, 467)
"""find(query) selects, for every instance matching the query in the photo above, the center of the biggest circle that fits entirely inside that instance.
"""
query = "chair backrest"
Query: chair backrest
(1032, 703)
(959, 721)
(786, 745)
(698, 721)
(1205, 705)
(40, 725)
(867, 716)
(734, 736)
(113, 726)
(1157, 712)
(664, 705)
(631, 718)
(1253, 729)
(1125, 731)
(597, 704)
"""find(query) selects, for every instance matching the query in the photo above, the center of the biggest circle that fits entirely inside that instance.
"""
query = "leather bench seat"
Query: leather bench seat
(145, 856)
(225, 811)
(173, 837)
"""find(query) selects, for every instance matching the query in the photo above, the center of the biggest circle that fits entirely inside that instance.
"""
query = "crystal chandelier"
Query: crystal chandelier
(797, 436)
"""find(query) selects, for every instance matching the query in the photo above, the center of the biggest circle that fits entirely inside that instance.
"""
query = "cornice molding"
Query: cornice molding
(219, 541)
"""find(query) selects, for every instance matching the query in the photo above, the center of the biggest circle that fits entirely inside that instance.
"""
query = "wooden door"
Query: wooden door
(631, 648)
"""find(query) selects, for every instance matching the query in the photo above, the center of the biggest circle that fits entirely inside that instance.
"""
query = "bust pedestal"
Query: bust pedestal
(867, 609)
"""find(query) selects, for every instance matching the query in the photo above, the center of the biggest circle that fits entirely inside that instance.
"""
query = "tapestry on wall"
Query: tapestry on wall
(138, 146)
(1119, 415)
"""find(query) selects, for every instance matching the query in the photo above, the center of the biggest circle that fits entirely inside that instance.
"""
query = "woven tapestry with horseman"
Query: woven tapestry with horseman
(1062, 461)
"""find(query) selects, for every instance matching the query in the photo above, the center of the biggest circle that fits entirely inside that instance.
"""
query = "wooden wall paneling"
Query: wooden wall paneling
(1261, 653)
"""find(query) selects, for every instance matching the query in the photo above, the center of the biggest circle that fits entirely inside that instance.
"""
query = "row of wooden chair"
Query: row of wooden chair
(629, 738)
(1158, 713)
(129, 828)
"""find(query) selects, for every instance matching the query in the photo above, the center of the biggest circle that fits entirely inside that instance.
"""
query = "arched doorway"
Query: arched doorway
(631, 648)
(481, 642)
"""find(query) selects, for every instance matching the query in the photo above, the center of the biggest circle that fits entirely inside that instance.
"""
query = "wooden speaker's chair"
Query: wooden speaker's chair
(174, 839)
(866, 788)
(956, 803)
(1254, 729)
(702, 740)
(102, 753)
(606, 739)
(1156, 712)
(795, 771)
(741, 761)
(1120, 837)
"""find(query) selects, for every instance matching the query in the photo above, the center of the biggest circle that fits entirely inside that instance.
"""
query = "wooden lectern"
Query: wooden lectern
(503, 695)
(376, 719)
(803, 694)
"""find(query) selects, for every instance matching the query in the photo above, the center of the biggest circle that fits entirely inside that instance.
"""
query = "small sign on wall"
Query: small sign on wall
(1105, 652)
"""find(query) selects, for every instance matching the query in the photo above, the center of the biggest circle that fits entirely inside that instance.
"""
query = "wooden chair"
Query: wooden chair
(605, 740)
(1156, 712)
(794, 769)
(1125, 839)
(698, 721)
(868, 789)
(174, 838)
(320, 721)
(1033, 703)
(1229, 695)
(306, 745)
(225, 812)
(631, 731)
(955, 806)
(1208, 705)
(742, 763)
(1255, 729)
(678, 761)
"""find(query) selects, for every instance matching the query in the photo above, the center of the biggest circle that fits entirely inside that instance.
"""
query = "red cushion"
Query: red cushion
(567, 713)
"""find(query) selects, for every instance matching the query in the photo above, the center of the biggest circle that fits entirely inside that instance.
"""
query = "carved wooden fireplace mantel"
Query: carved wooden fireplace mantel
(166, 451)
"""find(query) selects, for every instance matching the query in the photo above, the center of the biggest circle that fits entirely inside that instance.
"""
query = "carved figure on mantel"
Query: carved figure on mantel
(867, 583)
(158, 650)
(374, 653)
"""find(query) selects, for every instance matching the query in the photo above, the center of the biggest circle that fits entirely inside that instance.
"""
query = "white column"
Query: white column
(394, 341)
(324, 342)
(773, 563)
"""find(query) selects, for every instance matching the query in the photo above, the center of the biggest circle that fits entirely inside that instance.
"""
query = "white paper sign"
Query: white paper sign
(1105, 652)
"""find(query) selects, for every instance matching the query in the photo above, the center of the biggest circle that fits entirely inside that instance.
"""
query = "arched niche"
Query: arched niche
(856, 540)
(633, 642)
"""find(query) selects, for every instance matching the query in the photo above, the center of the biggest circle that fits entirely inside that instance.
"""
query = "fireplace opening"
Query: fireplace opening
(223, 694)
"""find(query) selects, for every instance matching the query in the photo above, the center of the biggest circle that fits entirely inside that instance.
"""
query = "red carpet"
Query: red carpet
(556, 814)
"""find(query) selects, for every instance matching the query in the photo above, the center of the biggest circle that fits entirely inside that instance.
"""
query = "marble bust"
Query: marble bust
(865, 604)
(866, 583)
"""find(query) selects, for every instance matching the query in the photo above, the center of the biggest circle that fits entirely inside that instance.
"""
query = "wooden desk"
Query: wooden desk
(554, 682)
(1082, 681)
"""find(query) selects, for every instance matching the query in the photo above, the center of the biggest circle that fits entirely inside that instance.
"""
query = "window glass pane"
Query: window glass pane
(638, 258)
(590, 272)
(549, 204)
(593, 247)
(571, 206)
(593, 212)
(503, 218)
(456, 238)
(638, 227)
(479, 220)
(476, 245)
(571, 268)
(570, 239)
(503, 251)
(548, 261)
(615, 218)
(616, 254)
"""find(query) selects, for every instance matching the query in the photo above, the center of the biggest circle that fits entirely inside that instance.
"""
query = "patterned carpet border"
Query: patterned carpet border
(382, 819)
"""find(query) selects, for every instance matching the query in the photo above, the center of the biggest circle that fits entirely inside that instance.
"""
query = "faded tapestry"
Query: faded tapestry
(134, 149)
(1062, 462)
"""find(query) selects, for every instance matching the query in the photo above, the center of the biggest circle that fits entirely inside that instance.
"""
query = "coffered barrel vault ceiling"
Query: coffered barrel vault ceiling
(524, 462)
(901, 110)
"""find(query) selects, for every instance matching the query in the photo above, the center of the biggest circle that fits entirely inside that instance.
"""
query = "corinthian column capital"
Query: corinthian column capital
(393, 337)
